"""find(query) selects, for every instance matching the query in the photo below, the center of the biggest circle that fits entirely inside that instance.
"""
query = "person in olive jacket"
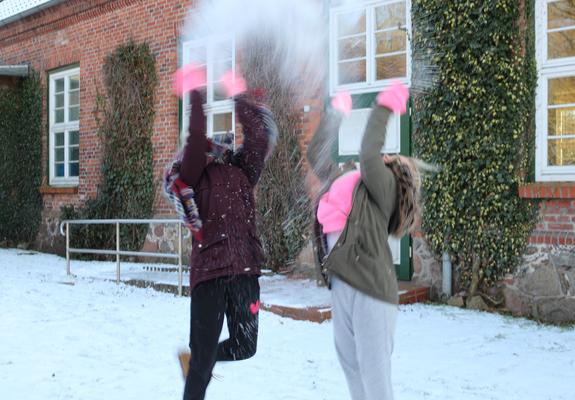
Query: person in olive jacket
(217, 184)
(356, 213)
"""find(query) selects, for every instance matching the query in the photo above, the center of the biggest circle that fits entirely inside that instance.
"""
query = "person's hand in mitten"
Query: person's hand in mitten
(342, 102)
(188, 78)
(394, 98)
(233, 85)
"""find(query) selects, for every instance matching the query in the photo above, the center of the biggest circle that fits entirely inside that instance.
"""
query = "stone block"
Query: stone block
(540, 280)
(516, 302)
(456, 301)
(477, 303)
(556, 311)
(563, 258)
(567, 280)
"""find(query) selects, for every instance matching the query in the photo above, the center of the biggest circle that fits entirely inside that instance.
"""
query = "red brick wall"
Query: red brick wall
(84, 32)
(556, 223)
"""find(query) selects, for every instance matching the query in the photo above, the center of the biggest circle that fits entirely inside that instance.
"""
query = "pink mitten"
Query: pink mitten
(188, 78)
(394, 98)
(233, 86)
(342, 103)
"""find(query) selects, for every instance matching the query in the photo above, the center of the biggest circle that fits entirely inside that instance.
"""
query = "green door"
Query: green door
(398, 141)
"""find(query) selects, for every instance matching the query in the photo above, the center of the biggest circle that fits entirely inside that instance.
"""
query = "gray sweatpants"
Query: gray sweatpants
(363, 329)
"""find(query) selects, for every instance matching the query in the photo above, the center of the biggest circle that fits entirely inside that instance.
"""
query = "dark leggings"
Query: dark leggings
(235, 297)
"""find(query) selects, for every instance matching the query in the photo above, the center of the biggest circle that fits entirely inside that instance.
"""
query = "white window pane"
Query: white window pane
(218, 93)
(59, 154)
(74, 154)
(223, 122)
(59, 169)
(74, 113)
(351, 72)
(223, 51)
(59, 116)
(561, 152)
(219, 137)
(351, 23)
(74, 82)
(219, 68)
(391, 67)
(390, 42)
(560, 14)
(561, 44)
(59, 139)
(74, 138)
(74, 169)
(59, 84)
(390, 16)
(74, 98)
(59, 100)
(351, 133)
(561, 91)
(561, 121)
(352, 48)
(198, 55)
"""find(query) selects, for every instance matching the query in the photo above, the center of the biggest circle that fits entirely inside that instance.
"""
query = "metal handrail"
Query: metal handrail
(118, 252)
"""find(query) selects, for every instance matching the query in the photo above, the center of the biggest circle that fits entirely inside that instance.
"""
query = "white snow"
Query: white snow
(87, 338)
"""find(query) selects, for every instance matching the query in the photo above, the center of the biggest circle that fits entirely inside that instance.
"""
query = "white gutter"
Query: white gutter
(14, 70)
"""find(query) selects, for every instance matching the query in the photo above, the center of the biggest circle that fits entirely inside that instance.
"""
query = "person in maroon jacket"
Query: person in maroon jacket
(225, 262)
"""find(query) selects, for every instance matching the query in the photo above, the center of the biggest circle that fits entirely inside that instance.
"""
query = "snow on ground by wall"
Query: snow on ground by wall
(86, 338)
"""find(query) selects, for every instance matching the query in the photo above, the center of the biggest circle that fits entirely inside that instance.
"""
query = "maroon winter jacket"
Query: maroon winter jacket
(224, 194)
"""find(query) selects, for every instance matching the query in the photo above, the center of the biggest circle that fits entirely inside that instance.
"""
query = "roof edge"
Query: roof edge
(29, 12)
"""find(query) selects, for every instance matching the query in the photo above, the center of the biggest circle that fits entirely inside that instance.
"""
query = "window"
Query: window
(369, 46)
(64, 126)
(217, 56)
(555, 121)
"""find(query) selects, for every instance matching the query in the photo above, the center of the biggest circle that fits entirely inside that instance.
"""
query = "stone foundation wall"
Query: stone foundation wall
(544, 285)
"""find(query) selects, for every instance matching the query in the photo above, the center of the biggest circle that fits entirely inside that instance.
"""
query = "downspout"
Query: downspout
(446, 281)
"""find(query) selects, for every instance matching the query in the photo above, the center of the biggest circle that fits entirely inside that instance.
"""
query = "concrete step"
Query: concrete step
(408, 294)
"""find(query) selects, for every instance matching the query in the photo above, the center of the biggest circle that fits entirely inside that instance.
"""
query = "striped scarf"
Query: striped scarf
(182, 197)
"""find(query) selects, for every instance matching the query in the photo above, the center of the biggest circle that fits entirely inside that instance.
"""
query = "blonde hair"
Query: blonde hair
(408, 172)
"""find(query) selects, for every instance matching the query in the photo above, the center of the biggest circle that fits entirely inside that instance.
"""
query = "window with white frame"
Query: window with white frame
(555, 113)
(64, 126)
(369, 45)
(217, 56)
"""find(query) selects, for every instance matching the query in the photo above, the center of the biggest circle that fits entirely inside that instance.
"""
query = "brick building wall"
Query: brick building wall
(83, 32)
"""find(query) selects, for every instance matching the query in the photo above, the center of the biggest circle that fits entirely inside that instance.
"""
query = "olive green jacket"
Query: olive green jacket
(362, 256)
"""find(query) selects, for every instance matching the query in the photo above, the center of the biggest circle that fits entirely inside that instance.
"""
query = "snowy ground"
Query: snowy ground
(86, 338)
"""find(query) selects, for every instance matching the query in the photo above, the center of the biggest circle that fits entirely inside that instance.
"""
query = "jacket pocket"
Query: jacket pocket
(210, 243)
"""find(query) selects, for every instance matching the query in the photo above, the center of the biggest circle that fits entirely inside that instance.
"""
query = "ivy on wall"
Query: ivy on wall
(20, 161)
(476, 121)
(127, 189)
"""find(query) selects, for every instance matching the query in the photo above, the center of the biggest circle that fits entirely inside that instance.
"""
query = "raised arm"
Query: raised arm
(260, 131)
(321, 145)
(376, 176)
(194, 157)
(319, 149)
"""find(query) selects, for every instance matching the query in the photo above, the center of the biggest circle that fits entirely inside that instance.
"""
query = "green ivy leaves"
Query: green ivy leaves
(476, 122)
(21, 160)
(127, 189)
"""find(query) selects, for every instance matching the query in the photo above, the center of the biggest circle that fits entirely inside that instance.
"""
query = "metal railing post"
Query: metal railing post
(65, 231)
(68, 272)
(180, 269)
(117, 252)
